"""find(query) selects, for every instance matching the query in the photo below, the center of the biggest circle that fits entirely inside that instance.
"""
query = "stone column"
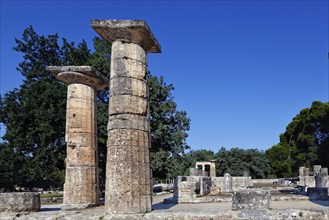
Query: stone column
(306, 172)
(321, 180)
(301, 171)
(228, 183)
(128, 174)
(316, 169)
(81, 188)
(212, 168)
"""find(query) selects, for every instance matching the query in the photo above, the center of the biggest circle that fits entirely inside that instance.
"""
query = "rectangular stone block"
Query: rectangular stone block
(128, 121)
(128, 68)
(251, 199)
(125, 104)
(20, 202)
(128, 86)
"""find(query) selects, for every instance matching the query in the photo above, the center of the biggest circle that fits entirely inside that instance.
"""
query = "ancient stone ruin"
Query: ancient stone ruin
(81, 188)
(128, 173)
(316, 186)
(199, 185)
(209, 167)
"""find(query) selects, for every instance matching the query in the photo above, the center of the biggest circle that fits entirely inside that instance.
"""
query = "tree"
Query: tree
(34, 114)
(168, 130)
(235, 161)
(7, 167)
(304, 143)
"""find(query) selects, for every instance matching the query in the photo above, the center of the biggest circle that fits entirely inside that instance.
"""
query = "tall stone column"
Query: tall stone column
(81, 188)
(128, 174)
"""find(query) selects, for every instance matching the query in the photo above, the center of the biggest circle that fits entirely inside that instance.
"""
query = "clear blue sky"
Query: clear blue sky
(241, 69)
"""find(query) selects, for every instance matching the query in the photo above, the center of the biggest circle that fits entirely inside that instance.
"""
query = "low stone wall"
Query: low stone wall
(306, 181)
(241, 182)
(186, 188)
(20, 202)
(218, 184)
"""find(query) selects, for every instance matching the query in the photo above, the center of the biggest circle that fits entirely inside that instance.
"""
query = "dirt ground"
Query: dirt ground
(293, 208)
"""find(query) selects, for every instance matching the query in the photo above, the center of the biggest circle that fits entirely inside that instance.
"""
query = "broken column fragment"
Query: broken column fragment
(81, 187)
(128, 174)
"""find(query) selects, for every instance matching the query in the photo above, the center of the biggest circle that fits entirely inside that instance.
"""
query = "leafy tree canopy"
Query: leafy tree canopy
(304, 143)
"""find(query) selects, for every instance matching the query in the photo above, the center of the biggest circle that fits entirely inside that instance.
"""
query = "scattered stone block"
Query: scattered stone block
(251, 199)
(20, 202)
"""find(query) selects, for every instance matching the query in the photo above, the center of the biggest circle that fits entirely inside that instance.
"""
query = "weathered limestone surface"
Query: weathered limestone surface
(251, 199)
(321, 180)
(316, 169)
(228, 185)
(19, 202)
(186, 188)
(198, 172)
(87, 75)
(81, 177)
(134, 31)
(128, 174)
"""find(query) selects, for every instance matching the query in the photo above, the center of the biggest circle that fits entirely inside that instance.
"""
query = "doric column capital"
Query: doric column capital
(86, 75)
(130, 31)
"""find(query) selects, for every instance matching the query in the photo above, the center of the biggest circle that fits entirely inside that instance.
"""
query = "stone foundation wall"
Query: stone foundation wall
(218, 184)
(20, 202)
(187, 188)
(264, 181)
(241, 182)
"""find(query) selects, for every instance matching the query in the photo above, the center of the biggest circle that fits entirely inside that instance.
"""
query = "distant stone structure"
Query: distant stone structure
(128, 174)
(188, 188)
(306, 179)
(208, 166)
(81, 187)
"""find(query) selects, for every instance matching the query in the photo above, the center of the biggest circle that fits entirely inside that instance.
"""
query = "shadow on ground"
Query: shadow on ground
(160, 205)
(50, 209)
